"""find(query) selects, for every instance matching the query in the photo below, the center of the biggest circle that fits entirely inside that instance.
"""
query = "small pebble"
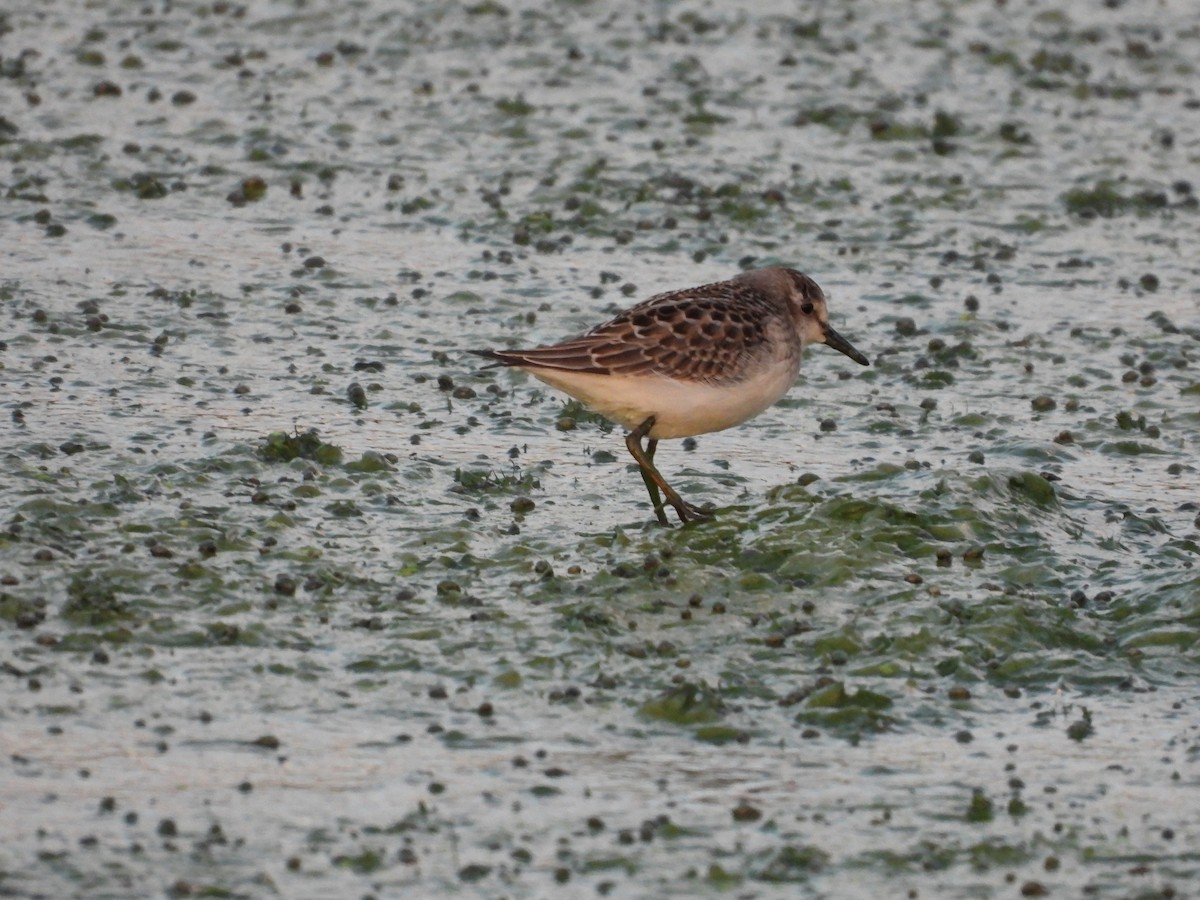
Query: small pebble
(744, 812)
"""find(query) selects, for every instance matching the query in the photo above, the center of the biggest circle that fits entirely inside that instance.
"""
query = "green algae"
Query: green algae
(688, 704)
(468, 594)
(280, 446)
(848, 714)
(1105, 199)
(792, 863)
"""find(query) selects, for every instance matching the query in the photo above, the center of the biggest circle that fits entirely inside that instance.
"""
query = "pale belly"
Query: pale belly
(680, 408)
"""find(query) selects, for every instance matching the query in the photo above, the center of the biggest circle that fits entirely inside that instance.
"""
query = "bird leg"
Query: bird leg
(655, 496)
(654, 480)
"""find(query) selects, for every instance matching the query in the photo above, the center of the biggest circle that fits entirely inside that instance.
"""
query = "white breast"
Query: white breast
(680, 408)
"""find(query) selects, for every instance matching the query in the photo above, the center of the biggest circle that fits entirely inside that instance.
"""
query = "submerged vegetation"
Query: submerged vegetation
(295, 598)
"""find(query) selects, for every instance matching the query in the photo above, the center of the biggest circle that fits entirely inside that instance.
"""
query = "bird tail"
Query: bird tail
(499, 358)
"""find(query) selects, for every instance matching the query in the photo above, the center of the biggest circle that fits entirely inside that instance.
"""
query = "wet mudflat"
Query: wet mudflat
(296, 601)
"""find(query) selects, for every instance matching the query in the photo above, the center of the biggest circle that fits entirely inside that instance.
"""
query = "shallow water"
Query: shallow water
(940, 637)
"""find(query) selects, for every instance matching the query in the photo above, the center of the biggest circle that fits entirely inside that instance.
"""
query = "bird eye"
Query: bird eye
(807, 309)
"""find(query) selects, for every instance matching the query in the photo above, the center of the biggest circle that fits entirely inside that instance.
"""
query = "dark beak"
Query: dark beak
(841, 345)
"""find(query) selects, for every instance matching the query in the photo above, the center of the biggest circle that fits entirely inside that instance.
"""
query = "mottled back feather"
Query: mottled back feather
(705, 334)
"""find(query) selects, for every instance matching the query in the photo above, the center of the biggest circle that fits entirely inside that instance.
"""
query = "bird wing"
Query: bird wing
(698, 334)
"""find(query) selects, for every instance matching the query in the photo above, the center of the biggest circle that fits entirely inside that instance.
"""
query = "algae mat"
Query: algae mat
(296, 601)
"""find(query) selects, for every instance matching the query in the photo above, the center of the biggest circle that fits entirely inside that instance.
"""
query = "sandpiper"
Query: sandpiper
(689, 362)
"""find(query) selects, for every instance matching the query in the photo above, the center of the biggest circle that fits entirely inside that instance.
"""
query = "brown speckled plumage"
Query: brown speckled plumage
(712, 334)
(689, 362)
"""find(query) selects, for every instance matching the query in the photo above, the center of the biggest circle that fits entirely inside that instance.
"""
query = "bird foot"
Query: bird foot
(687, 512)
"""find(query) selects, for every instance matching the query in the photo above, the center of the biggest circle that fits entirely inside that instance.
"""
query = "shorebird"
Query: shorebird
(689, 362)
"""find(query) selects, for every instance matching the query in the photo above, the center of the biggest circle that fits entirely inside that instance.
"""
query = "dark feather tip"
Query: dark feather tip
(498, 361)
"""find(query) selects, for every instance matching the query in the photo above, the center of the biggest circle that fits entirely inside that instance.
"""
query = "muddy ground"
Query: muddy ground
(297, 601)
